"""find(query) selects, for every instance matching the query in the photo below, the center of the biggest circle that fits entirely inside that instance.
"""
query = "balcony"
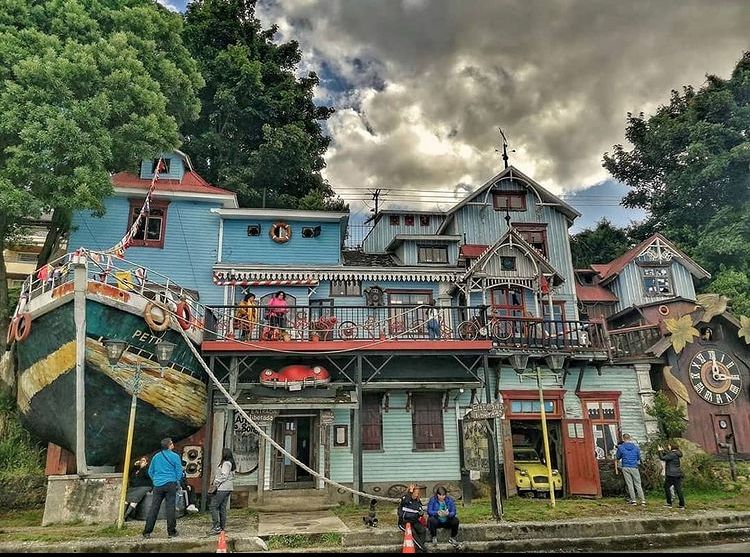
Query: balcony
(398, 327)
(633, 342)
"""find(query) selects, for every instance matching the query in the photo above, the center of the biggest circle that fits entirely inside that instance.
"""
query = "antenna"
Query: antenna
(505, 148)
(376, 198)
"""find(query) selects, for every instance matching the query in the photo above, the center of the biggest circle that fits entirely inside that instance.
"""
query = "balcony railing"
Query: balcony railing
(633, 342)
(351, 323)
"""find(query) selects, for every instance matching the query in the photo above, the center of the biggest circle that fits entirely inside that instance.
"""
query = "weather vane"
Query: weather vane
(505, 148)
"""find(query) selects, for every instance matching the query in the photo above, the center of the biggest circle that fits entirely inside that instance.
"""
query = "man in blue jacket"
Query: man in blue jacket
(630, 456)
(441, 511)
(166, 473)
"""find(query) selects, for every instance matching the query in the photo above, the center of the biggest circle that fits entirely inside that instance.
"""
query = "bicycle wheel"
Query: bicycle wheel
(468, 330)
(502, 330)
(417, 328)
(348, 330)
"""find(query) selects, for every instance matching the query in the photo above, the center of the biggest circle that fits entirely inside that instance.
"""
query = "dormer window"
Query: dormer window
(164, 166)
(657, 281)
(432, 254)
(152, 226)
(535, 234)
(424, 220)
(509, 200)
(408, 220)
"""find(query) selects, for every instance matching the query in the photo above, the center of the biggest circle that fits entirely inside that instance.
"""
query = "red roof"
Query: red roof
(609, 270)
(471, 251)
(594, 293)
(191, 183)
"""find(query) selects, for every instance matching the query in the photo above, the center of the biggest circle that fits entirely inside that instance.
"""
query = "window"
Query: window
(408, 220)
(427, 421)
(26, 257)
(394, 220)
(320, 308)
(507, 263)
(558, 309)
(346, 288)
(372, 422)
(400, 318)
(424, 220)
(150, 231)
(164, 166)
(507, 302)
(534, 234)
(432, 254)
(605, 421)
(509, 200)
(531, 406)
(657, 281)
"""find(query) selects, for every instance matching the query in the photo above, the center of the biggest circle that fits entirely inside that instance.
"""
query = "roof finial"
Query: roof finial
(505, 148)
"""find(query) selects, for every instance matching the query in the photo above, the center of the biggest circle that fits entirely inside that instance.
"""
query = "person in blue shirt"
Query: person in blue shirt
(630, 456)
(441, 511)
(166, 474)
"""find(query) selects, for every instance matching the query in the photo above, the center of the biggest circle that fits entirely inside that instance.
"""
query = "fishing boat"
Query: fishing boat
(108, 298)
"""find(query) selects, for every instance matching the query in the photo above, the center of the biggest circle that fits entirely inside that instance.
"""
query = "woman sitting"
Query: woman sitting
(139, 485)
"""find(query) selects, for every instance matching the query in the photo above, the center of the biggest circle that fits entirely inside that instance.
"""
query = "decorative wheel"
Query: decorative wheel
(397, 490)
(502, 330)
(348, 330)
(468, 330)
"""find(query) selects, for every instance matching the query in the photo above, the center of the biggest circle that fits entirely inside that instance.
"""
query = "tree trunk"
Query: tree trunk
(59, 225)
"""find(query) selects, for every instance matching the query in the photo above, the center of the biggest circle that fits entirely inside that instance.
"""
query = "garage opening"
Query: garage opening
(529, 458)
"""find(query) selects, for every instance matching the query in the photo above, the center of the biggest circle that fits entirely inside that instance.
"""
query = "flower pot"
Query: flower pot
(315, 337)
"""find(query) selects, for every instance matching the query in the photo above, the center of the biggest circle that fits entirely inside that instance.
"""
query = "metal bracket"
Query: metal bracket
(469, 370)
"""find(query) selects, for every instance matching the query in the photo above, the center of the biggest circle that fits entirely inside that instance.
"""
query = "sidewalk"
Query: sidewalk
(582, 535)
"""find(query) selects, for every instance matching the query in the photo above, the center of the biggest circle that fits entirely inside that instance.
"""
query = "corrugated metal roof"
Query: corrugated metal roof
(594, 293)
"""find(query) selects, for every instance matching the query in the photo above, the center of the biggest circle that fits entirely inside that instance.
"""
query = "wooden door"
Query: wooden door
(509, 466)
(724, 432)
(581, 467)
(286, 436)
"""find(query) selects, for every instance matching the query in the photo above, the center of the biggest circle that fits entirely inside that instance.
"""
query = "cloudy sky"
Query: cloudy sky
(420, 87)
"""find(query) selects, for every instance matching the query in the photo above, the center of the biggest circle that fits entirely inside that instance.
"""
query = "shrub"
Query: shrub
(670, 418)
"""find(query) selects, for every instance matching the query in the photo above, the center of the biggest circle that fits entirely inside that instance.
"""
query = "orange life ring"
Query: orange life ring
(148, 317)
(23, 327)
(183, 315)
(280, 232)
(11, 331)
(664, 310)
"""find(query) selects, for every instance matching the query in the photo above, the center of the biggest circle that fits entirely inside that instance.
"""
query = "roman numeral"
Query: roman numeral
(699, 387)
(730, 364)
(695, 375)
(735, 377)
(701, 357)
(695, 364)
(709, 396)
(719, 400)
(734, 389)
(712, 354)
(722, 357)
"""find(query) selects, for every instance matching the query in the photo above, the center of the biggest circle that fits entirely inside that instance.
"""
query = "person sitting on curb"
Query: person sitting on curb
(672, 474)
(409, 512)
(441, 510)
(139, 485)
(187, 492)
(630, 455)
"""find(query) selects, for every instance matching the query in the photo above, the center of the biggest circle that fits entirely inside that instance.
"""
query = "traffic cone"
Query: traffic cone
(222, 547)
(408, 546)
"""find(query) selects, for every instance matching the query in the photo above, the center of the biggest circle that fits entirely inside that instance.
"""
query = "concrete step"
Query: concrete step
(295, 493)
(296, 506)
(290, 500)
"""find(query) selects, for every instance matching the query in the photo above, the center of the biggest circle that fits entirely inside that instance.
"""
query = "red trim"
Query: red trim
(508, 195)
(526, 228)
(135, 206)
(231, 345)
(533, 394)
(599, 395)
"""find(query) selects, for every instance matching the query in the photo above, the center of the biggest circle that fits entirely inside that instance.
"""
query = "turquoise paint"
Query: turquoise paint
(176, 168)
(240, 248)
(629, 289)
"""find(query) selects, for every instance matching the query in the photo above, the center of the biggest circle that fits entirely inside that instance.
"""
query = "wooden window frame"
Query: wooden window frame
(376, 426)
(599, 397)
(556, 303)
(337, 294)
(167, 166)
(508, 195)
(669, 277)
(426, 247)
(439, 445)
(135, 207)
(530, 227)
(555, 395)
(511, 310)
(408, 220)
(424, 220)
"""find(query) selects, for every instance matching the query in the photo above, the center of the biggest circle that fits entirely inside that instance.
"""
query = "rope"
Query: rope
(267, 437)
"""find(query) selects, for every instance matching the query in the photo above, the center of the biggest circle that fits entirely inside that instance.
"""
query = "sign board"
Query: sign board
(485, 411)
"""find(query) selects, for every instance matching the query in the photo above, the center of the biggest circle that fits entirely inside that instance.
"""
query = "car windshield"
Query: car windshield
(525, 455)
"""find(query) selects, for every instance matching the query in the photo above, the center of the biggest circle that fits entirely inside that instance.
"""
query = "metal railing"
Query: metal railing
(632, 342)
(347, 323)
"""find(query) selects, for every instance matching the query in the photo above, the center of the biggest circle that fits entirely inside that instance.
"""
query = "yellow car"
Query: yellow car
(531, 474)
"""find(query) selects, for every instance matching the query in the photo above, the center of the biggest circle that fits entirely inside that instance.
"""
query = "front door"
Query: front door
(581, 465)
(294, 433)
(724, 432)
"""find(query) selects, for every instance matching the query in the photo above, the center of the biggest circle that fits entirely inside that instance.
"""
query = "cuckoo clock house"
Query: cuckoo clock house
(690, 345)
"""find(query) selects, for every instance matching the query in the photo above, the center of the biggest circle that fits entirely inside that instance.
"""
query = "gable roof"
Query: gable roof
(192, 184)
(609, 271)
(543, 195)
(594, 293)
(399, 239)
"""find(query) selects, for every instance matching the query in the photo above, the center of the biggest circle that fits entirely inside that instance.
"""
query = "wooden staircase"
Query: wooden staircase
(293, 500)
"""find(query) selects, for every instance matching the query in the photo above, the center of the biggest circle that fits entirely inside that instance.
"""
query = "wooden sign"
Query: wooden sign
(485, 411)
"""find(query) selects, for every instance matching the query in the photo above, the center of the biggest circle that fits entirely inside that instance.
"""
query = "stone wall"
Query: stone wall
(90, 500)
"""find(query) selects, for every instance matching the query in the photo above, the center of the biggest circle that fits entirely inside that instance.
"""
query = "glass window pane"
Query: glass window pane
(153, 231)
(515, 406)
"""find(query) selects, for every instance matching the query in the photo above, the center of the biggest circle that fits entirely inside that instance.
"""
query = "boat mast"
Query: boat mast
(80, 271)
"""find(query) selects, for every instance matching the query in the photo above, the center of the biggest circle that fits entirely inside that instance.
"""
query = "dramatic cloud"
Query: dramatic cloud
(421, 86)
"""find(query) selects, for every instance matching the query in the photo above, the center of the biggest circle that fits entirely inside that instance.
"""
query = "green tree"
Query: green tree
(258, 133)
(669, 417)
(735, 285)
(689, 167)
(600, 244)
(87, 87)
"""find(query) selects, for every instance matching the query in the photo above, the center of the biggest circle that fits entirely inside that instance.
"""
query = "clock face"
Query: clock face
(715, 376)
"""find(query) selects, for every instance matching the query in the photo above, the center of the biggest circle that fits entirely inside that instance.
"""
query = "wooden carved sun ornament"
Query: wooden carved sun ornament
(682, 331)
(744, 331)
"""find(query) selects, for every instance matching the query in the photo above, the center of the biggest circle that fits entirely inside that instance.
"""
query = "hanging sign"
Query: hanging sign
(485, 411)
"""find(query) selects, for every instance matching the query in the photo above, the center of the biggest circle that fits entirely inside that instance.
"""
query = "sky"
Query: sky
(420, 87)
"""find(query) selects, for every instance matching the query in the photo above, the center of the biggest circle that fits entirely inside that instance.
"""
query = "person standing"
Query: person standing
(433, 323)
(224, 485)
(441, 510)
(410, 510)
(246, 316)
(672, 474)
(277, 310)
(139, 485)
(166, 473)
(629, 456)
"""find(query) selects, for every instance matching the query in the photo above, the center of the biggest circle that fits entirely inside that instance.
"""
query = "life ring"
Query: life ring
(182, 311)
(23, 327)
(11, 331)
(664, 310)
(148, 316)
(280, 232)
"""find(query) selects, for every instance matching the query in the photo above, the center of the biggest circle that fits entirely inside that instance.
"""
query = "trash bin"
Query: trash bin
(141, 512)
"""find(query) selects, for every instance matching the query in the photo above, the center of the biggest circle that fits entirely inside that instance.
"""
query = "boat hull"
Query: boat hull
(171, 401)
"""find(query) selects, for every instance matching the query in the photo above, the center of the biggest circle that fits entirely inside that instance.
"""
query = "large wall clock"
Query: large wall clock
(715, 376)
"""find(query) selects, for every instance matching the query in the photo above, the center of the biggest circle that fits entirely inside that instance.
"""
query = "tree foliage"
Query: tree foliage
(87, 87)
(600, 244)
(689, 167)
(669, 417)
(258, 133)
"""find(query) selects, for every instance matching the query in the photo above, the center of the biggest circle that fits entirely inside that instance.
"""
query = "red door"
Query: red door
(581, 467)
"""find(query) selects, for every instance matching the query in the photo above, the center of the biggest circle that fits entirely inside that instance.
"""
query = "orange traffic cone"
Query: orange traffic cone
(408, 546)
(222, 547)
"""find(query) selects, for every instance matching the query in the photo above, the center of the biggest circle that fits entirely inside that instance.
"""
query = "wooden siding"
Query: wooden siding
(383, 232)
(408, 253)
(628, 286)
(176, 168)
(240, 248)
(190, 243)
(524, 265)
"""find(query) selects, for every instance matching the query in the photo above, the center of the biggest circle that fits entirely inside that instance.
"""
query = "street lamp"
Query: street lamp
(115, 350)
(555, 362)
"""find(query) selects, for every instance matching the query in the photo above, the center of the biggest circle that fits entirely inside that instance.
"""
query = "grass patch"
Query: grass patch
(18, 519)
(292, 541)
